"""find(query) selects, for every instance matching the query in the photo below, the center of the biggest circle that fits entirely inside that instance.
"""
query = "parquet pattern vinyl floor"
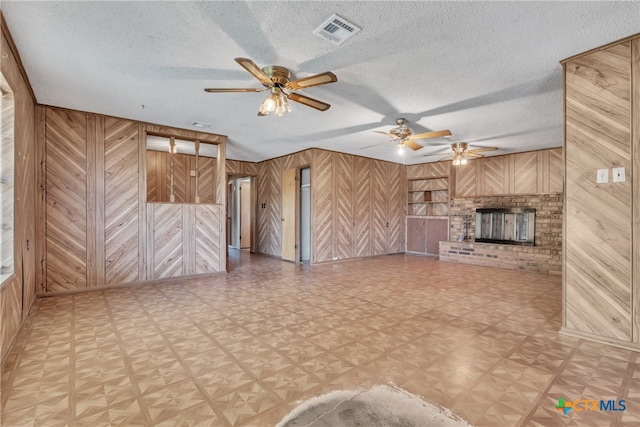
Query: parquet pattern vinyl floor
(243, 349)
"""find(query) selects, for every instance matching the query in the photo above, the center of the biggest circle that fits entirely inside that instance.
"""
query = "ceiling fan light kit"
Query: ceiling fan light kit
(277, 80)
(403, 136)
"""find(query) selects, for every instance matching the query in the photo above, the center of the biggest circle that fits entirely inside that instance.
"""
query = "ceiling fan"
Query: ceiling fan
(277, 80)
(403, 136)
(460, 153)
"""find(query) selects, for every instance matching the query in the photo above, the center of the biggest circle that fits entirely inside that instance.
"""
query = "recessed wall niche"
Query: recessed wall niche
(180, 171)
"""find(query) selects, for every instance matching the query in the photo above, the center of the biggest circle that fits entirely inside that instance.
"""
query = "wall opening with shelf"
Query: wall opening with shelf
(428, 196)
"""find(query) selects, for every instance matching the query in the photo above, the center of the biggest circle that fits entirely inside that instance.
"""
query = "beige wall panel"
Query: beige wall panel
(165, 240)
(524, 176)
(322, 234)
(344, 206)
(66, 165)
(396, 203)
(598, 244)
(209, 220)
(121, 201)
(362, 215)
(379, 196)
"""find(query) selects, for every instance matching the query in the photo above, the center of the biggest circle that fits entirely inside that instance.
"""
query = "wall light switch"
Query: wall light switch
(602, 176)
(618, 174)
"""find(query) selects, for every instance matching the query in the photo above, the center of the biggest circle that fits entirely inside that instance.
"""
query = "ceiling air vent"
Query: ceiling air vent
(200, 125)
(336, 30)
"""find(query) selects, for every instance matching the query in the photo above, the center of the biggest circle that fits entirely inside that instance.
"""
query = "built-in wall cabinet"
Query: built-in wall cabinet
(602, 220)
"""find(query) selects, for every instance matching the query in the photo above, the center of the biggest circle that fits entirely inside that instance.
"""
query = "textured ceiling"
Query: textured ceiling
(488, 71)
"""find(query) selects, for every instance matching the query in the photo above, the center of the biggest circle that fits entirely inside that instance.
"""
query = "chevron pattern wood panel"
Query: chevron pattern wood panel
(208, 238)
(598, 244)
(466, 179)
(322, 193)
(66, 186)
(396, 201)
(524, 174)
(362, 216)
(262, 215)
(153, 177)
(121, 201)
(379, 196)
(344, 209)
(495, 175)
(166, 239)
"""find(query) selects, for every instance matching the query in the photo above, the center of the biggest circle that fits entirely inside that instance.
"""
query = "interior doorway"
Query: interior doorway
(240, 213)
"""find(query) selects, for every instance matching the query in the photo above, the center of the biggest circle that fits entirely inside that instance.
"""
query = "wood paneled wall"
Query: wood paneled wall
(159, 172)
(358, 204)
(18, 293)
(602, 127)
(95, 214)
(534, 172)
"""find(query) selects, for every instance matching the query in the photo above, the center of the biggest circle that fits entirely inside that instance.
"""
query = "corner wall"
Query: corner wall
(18, 293)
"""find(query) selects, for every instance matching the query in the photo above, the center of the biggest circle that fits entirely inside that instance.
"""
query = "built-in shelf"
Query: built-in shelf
(428, 196)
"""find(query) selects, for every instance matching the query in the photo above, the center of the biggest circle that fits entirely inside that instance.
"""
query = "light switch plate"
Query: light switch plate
(602, 177)
(618, 174)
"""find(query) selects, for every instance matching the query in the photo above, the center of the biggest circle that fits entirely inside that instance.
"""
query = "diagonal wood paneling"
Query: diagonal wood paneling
(494, 175)
(524, 174)
(555, 171)
(274, 171)
(263, 208)
(466, 179)
(597, 245)
(207, 243)
(166, 240)
(66, 204)
(121, 201)
(379, 197)
(344, 188)
(362, 216)
(206, 184)
(153, 176)
(322, 193)
(181, 178)
(396, 202)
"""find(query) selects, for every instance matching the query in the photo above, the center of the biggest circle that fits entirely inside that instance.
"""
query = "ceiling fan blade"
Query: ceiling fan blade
(472, 154)
(412, 144)
(309, 102)
(427, 135)
(374, 145)
(435, 154)
(479, 150)
(255, 71)
(385, 133)
(220, 90)
(315, 80)
(446, 158)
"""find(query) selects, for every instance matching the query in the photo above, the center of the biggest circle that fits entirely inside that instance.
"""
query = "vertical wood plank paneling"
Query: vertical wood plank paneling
(91, 210)
(395, 211)
(181, 178)
(362, 227)
(635, 186)
(207, 242)
(598, 247)
(167, 240)
(153, 176)
(379, 196)
(121, 144)
(142, 205)
(41, 201)
(556, 171)
(66, 163)
(323, 205)
(344, 206)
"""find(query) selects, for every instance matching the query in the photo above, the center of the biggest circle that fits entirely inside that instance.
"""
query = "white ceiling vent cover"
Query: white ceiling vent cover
(336, 30)
(200, 125)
